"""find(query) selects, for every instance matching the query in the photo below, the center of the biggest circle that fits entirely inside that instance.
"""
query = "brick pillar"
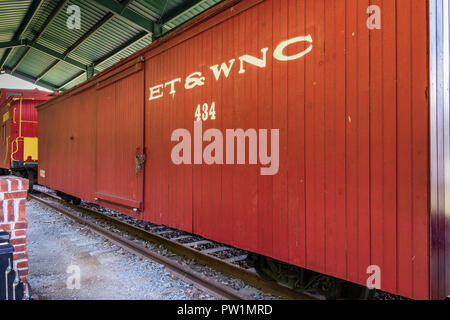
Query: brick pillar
(13, 197)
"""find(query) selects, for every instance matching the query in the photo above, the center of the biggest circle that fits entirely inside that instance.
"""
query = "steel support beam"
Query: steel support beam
(46, 24)
(71, 80)
(148, 26)
(53, 53)
(90, 72)
(114, 8)
(28, 78)
(179, 11)
(127, 14)
(58, 56)
(78, 43)
(81, 40)
(13, 44)
(127, 44)
(32, 10)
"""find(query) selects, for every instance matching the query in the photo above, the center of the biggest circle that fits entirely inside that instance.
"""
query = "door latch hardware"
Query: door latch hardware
(140, 160)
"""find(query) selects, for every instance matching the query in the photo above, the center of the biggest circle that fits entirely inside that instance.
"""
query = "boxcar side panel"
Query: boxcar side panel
(383, 146)
(119, 140)
(83, 144)
(66, 146)
(52, 124)
(339, 78)
(351, 191)
(295, 123)
(346, 106)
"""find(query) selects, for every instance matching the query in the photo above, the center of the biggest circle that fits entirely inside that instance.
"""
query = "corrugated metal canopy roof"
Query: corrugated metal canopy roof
(37, 45)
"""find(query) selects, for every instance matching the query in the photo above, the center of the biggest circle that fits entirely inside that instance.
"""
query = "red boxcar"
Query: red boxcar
(18, 136)
(355, 112)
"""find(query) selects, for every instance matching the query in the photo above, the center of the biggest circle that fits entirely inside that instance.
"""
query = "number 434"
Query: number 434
(204, 112)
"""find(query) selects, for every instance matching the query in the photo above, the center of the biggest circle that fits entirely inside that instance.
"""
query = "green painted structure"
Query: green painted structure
(37, 45)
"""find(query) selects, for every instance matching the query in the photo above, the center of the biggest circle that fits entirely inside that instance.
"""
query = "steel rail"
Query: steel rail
(215, 288)
(217, 264)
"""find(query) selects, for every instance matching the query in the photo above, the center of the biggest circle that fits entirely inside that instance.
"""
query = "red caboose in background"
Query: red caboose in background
(18, 133)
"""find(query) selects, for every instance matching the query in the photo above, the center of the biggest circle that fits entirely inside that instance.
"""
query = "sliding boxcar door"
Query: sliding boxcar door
(120, 153)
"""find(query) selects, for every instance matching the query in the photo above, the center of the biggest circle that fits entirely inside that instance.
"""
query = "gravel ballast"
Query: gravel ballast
(58, 247)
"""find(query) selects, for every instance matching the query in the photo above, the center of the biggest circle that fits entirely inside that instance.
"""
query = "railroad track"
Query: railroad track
(190, 246)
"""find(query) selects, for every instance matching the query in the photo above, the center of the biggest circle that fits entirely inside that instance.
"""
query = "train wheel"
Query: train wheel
(32, 178)
(351, 291)
(272, 270)
(66, 197)
(255, 261)
(303, 280)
